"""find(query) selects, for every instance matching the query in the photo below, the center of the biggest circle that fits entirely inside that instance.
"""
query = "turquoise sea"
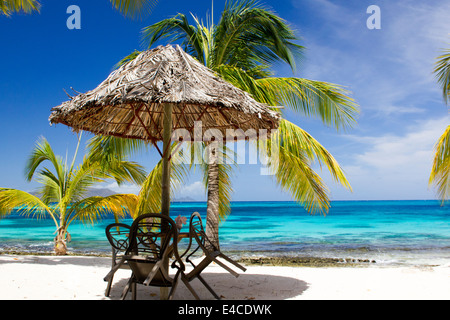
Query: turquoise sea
(390, 232)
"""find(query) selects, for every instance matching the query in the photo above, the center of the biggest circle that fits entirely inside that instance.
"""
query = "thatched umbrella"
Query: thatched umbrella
(162, 90)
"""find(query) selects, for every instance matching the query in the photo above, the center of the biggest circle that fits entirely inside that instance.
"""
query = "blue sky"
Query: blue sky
(387, 155)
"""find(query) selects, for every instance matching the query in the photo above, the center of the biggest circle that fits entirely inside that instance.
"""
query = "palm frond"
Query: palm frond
(225, 190)
(296, 140)
(295, 175)
(51, 189)
(128, 58)
(44, 152)
(90, 173)
(244, 81)
(134, 8)
(327, 101)
(293, 153)
(249, 33)
(7, 7)
(203, 40)
(126, 171)
(108, 148)
(175, 28)
(440, 172)
(150, 194)
(151, 190)
(81, 180)
(91, 209)
(26, 203)
(111, 154)
(442, 71)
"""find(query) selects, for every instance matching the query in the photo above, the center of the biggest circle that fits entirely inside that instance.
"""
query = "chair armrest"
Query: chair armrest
(181, 265)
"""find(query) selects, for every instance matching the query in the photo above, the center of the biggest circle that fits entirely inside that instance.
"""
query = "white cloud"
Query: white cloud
(388, 70)
(390, 110)
(394, 166)
(194, 190)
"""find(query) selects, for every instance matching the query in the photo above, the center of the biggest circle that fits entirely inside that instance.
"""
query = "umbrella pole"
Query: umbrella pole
(167, 133)
(165, 184)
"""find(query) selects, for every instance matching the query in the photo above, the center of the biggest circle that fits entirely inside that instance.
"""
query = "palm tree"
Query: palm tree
(440, 172)
(106, 149)
(62, 195)
(129, 8)
(242, 49)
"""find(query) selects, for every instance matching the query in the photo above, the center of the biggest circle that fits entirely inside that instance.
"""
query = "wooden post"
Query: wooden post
(167, 133)
(165, 184)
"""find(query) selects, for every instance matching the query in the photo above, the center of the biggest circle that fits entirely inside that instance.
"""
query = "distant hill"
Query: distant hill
(184, 199)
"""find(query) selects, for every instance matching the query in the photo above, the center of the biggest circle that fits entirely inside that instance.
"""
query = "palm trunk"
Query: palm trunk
(60, 242)
(212, 211)
(165, 183)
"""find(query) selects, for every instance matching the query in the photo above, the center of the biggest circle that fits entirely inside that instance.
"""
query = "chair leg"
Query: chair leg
(108, 287)
(208, 287)
(133, 290)
(174, 286)
(126, 289)
(155, 269)
(188, 285)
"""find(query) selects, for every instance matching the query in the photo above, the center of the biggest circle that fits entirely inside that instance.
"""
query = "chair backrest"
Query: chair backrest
(118, 235)
(152, 234)
(198, 233)
(211, 252)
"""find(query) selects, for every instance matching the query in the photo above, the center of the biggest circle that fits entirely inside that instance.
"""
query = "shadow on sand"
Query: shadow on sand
(245, 287)
(84, 261)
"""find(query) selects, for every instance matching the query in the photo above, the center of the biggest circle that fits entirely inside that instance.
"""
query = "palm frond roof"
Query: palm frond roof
(130, 102)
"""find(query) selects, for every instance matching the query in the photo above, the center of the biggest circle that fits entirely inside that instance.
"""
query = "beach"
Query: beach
(314, 135)
(32, 277)
(362, 250)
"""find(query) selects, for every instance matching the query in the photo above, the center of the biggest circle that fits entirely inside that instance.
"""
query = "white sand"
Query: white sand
(68, 278)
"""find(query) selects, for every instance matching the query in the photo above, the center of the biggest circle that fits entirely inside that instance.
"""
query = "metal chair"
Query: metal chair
(118, 235)
(198, 234)
(153, 239)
